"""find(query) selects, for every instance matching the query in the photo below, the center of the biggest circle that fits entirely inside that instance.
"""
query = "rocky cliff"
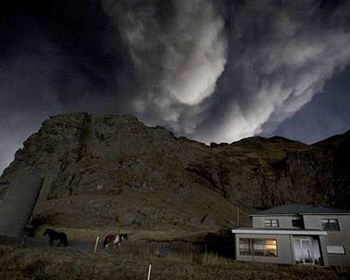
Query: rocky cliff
(107, 171)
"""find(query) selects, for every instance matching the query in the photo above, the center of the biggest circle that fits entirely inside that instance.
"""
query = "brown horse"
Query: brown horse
(114, 239)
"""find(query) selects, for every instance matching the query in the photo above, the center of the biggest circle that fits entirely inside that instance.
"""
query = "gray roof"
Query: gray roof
(274, 229)
(300, 209)
(278, 231)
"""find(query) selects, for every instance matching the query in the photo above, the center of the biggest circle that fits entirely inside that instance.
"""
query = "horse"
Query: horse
(114, 239)
(54, 235)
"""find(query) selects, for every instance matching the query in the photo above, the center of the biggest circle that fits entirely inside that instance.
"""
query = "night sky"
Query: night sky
(211, 70)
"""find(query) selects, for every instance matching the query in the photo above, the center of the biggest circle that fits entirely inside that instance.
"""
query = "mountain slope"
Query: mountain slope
(108, 171)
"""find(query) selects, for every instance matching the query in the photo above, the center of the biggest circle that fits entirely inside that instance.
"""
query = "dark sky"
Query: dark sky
(327, 114)
(210, 70)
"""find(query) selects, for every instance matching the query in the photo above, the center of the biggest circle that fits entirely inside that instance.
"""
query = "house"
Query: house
(296, 234)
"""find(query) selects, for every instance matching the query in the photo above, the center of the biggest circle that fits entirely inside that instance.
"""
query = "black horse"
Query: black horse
(54, 235)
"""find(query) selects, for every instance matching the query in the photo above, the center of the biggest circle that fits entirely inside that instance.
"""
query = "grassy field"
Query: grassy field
(132, 263)
(134, 234)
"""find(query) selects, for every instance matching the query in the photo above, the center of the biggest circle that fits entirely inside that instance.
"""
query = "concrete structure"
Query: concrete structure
(18, 204)
(296, 234)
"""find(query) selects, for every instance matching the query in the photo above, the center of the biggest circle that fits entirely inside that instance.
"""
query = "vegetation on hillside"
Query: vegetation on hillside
(59, 263)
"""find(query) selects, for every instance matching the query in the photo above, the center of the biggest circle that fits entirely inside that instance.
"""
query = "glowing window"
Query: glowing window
(258, 247)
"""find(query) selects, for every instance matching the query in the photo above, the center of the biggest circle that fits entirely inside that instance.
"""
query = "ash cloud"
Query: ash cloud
(281, 53)
(178, 52)
(224, 70)
(210, 70)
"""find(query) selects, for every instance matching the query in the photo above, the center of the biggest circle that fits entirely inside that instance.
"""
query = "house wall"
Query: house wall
(323, 245)
(284, 221)
(284, 248)
(334, 238)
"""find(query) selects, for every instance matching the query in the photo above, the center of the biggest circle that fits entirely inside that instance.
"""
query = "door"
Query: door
(307, 251)
(304, 251)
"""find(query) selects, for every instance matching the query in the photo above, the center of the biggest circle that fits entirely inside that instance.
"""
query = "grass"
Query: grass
(131, 262)
(134, 234)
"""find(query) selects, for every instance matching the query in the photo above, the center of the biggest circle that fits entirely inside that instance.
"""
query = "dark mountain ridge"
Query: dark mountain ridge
(114, 171)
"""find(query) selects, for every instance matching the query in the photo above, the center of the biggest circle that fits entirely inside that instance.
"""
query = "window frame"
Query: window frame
(248, 247)
(298, 223)
(327, 225)
(334, 246)
(272, 223)
(254, 243)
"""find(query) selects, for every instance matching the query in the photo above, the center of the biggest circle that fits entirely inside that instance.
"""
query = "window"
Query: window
(258, 247)
(272, 223)
(245, 247)
(298, 223)
(330, 225)
(338, 250)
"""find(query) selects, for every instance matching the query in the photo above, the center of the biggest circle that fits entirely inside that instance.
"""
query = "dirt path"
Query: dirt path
(73, 245)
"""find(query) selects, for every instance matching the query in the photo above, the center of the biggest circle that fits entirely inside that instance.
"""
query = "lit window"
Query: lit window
(330, 225)
(272, 223)
(258, 247)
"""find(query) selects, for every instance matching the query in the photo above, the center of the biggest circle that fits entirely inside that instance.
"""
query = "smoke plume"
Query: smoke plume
(178, 50)
(280, 54)
(212, 70)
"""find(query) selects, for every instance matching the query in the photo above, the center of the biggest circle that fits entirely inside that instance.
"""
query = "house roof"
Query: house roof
(278, 231)
(292, 209)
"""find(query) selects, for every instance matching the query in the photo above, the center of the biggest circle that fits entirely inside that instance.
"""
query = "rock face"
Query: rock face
(108, 171)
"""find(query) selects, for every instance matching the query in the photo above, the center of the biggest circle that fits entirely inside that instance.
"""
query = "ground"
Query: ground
(131, 261)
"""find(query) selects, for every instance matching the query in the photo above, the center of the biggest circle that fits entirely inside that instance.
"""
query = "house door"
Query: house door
(306, 251)
(307, 255)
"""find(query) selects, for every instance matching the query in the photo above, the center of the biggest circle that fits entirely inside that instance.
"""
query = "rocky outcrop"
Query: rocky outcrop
(115, 171)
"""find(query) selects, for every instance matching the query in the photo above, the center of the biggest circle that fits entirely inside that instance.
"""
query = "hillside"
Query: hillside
(113, 171)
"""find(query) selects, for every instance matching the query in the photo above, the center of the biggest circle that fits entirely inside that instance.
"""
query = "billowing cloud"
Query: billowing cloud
(272, 57)
(178, 51)
(280, 55)
(210, 70)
